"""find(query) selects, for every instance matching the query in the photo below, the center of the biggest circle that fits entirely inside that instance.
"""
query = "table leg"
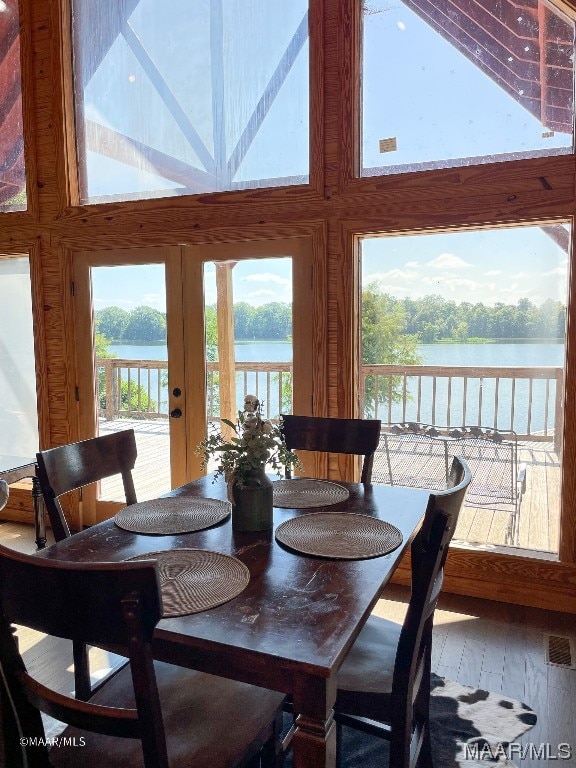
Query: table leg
(39, 514)
(314, 742)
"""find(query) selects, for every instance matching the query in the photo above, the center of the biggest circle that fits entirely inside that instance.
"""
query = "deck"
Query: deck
(478, 527)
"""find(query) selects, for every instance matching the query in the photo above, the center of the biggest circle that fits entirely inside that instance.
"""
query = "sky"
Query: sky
(455, 111)
(256, 281)
(486, 266)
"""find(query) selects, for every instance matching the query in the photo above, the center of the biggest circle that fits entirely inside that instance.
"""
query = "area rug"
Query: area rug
(470, 728)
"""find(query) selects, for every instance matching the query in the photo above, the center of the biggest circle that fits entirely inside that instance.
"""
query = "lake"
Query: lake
(432, 354)
(485, 355)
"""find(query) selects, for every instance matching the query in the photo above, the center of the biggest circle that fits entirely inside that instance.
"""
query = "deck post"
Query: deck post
(226, 355)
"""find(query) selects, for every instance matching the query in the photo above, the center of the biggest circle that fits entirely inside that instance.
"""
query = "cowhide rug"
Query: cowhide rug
(459, 716)
(466, 723)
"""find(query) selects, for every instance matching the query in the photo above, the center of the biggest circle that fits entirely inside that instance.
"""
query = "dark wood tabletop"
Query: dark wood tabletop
(292, 626)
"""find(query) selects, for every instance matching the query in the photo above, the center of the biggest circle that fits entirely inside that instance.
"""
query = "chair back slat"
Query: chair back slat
(50, 596)
(69, 467)
(359, 437)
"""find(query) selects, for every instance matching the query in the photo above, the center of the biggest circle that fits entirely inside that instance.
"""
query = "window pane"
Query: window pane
(12, 172)
(448, 83)
(464, 332)
(132, 370)
(183, 98)
(18, 412)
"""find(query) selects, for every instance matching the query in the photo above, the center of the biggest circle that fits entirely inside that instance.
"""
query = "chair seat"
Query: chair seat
(365, 677)
(209, 721)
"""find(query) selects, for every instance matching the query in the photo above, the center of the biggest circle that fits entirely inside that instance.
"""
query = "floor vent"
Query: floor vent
(559, 651)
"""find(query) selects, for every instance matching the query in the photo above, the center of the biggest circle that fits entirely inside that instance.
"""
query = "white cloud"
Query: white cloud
(465, 288)
(263, 292)
(266, 277)
(448, 261)
(392, 276)
(557, 272)
(492, 273)
(155, 300)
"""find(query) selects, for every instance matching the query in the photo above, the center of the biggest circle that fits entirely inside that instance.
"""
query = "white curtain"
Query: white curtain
(18, 408)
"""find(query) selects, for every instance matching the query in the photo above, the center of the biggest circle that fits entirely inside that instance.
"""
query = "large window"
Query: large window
(448, 83)
(463, 342)
(182, 98)
(12, 174)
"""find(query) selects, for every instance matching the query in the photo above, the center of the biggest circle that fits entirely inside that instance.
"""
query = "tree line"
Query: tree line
(145, 324)
(428, 320)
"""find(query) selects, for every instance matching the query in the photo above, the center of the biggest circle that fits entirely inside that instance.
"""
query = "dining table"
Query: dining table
(292, 624)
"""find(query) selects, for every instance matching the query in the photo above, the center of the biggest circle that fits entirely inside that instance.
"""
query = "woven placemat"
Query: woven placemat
(193, 580)
(339, 535)
(172, 515)
(301, 493)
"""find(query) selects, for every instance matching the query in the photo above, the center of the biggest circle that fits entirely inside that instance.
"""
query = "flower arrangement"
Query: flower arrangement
(256, 444)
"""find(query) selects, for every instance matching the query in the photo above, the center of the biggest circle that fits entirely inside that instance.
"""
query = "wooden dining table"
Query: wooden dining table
(291, 627)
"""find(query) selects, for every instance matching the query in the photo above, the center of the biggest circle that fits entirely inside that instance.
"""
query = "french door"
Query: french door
(158, 332)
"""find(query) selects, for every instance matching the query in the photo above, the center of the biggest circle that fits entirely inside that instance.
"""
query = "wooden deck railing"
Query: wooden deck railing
(139, 388)
(525, 400)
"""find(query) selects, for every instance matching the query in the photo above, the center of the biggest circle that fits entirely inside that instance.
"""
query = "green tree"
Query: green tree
(101, 344)
(384, 341)
(211, 329)
(273, 321)
(460, 332)
(146, 324)
(112, 322)
(244, 321)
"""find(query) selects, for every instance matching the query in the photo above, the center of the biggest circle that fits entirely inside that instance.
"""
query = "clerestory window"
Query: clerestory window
(450, 82)
(185, 98)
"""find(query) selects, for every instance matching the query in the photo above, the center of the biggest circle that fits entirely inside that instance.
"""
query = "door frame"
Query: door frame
(185, 324)
(91, 509)
(306, 375)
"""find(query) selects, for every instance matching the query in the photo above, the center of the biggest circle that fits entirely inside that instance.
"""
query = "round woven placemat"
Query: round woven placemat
(172, 515)
(193, 580)
(301, 493)
(339, 535)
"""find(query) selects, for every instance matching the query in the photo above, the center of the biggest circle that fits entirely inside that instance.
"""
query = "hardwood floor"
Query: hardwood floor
(501, 648)
(478, 643)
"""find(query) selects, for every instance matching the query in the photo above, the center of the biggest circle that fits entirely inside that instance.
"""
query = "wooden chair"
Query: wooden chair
(385, 679)
(150, 714)
(68, 468)
(359, 437)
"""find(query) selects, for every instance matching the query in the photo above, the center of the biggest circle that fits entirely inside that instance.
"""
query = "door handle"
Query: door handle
(176, 413)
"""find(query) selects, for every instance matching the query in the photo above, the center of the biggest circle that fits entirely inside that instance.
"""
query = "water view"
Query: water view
(432, 354)
(440, 400)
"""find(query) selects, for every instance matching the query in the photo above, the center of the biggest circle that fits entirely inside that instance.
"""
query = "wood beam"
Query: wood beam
(226, 354)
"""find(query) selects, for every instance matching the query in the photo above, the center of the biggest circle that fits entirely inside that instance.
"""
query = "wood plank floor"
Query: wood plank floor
(539, 510)
(479, 643)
